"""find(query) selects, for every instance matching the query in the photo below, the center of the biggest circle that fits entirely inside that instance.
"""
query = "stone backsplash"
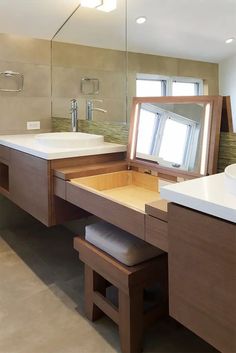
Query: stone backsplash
(227, 153)
(116, 133)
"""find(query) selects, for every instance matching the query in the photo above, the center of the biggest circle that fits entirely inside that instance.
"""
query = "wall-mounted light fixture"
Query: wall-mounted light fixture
(101, 5)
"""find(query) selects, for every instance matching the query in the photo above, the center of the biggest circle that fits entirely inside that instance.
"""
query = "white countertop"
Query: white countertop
(28, 144)
(207, 194)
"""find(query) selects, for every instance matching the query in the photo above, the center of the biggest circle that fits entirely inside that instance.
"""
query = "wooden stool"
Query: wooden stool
(102, 271)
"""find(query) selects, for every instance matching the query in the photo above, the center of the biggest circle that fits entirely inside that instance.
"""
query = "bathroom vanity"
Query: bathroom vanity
(126, 192)
(130, 198)
(26, 171)
(202, 259)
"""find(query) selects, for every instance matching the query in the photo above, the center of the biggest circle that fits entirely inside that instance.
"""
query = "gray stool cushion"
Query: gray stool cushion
(119, 244)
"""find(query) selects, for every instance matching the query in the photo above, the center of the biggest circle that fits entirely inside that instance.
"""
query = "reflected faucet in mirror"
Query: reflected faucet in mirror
(74, 115)
(90, 108)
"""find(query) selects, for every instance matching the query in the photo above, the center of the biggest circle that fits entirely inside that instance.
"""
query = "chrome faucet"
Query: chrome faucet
(90, 108)
(74, 114)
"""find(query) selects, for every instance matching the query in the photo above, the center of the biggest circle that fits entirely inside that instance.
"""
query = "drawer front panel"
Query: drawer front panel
(4, 153)
(157, 233)
(124, 217)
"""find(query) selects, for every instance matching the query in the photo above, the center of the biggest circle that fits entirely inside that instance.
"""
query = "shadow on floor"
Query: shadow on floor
(49, 253)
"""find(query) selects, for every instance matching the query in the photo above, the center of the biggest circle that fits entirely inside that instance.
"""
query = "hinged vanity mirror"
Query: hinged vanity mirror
(178, 135)
(170, 138)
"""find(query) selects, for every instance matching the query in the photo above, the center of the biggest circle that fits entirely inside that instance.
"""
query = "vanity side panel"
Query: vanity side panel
(29, 179)
(202, 275)
(4, 154)
(124, 217)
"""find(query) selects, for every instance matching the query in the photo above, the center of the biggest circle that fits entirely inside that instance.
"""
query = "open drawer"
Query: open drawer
(118, 198)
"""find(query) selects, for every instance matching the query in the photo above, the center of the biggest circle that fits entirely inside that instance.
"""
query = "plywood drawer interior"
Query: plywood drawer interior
(129, 188)
(118, 197)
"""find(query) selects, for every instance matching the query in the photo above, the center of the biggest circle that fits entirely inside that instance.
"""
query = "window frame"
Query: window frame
(151, 77)
(167, 82)
(191, 139)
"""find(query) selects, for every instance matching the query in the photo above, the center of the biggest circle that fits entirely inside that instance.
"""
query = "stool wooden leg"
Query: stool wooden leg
(93, 282)
(131, 321)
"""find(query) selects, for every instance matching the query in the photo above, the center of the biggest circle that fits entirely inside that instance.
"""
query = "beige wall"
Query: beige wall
(71, 62)
(31, 57)
(162, 65)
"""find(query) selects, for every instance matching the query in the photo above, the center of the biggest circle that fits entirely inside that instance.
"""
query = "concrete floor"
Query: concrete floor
(41, 301)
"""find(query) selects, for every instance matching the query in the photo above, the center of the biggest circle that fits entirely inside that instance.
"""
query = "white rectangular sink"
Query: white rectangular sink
(69, 139)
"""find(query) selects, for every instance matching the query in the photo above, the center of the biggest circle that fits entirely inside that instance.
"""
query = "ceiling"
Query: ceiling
(192, 29)
(34, 18)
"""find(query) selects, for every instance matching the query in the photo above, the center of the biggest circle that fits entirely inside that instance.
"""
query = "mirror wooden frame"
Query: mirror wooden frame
(213, 134)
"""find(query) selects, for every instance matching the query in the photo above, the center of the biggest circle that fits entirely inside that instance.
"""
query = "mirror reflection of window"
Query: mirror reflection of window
(148, 85)
(185, 89)
(149, 88)
(169, 138)
(148, 125)
(173, 149)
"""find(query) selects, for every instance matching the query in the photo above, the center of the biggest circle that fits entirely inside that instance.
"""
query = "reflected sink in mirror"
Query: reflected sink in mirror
(230, 179)
(69, 140)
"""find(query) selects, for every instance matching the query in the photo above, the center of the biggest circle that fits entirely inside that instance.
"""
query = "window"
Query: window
(158, 140)
(172, 149)
(148, 124)
(156, 86)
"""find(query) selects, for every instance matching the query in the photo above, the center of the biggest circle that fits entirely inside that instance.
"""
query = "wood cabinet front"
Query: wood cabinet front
(27, 180)
(119, 198)
(29, 185)
(4, 154)
(202, 275)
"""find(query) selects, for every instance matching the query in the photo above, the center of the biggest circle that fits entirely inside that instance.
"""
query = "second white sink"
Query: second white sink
(69, 139)
(230, 178)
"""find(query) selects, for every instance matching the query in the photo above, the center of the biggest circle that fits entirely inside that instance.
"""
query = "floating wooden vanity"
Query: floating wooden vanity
(28, 182)
(202, 259)
(122, 198)
(127, 194)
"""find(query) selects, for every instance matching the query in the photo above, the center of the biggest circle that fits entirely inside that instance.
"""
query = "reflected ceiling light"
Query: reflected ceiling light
(101, 5)
(91, 3)
(229, 40)
(141, 20)
(107, 5)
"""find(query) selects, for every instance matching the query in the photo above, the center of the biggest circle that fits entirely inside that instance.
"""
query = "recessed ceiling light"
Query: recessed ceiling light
(141, 20)
(229, 40)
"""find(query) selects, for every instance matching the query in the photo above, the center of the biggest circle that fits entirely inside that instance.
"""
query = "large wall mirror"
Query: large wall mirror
(104, 59)
(89, 64)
